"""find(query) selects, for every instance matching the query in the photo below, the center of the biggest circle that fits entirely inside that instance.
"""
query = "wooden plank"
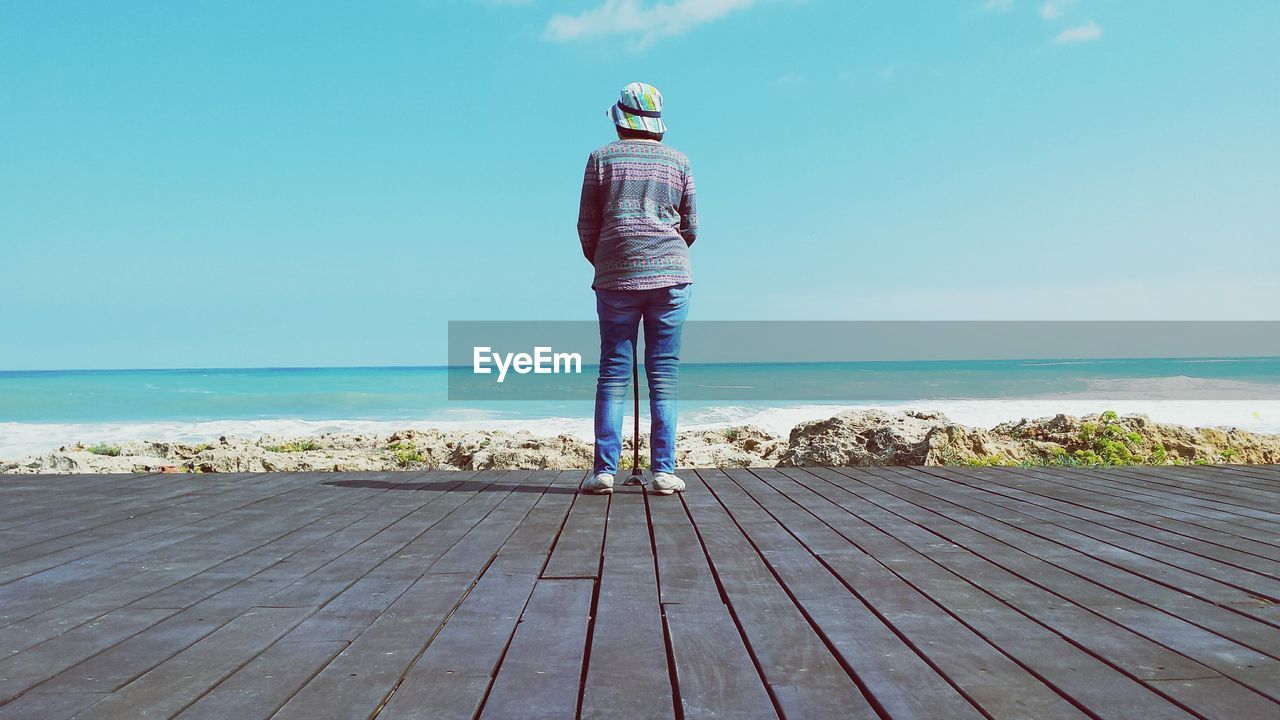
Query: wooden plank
(715, 673)
(578, 550)
(1148, 541)
(1168, 480)
(628, 657)
(1163, 503)
(1092, 681)
(23, 670)
(487, 538)
(34, 557)
(802, 675)
(129, 659)
(991, 679)
(47, 706)
(184, 575)
(897, 679)
(1193, 482)
(176, 683)
(749, 599)
(324, 584)
(1253, 517)
(537, 532)
(230, 571)
(356, 607)
(258, 689)
(95, 570)
(1178, 521)
(1193, 597)
(539, 676)
(1139, 484)
(97, 563)
(1269, 474)
(684, 575)
(360, 679)
(1192, 643)
(451, 677)
(96, 503)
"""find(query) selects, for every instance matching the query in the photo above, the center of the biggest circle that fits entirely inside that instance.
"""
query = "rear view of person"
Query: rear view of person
(636, 222)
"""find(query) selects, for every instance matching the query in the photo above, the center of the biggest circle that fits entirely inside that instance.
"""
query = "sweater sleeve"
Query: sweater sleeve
(589, 211)
(689, 209)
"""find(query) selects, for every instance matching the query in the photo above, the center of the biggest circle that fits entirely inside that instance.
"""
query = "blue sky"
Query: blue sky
(206, 184)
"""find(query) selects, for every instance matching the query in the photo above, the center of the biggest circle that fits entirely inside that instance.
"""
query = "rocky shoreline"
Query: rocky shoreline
(867, 437)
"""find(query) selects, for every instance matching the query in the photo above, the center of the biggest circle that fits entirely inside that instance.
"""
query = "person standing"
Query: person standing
(636, 221)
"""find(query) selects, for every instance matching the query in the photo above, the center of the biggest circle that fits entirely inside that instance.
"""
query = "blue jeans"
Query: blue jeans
(662, 311)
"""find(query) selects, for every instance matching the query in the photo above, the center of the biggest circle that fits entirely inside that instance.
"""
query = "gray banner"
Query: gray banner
(836, 361)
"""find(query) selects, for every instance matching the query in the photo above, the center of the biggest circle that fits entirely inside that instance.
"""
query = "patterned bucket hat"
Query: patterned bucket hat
(640, 108)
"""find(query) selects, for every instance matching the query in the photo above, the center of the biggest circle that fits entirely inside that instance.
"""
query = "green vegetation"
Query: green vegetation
(731, 434)
(104, 449)
(406, 453)
(294, 446)
(624, 463)
(202, 447)
(1103, 443)
(1107, 443)
(993, 460)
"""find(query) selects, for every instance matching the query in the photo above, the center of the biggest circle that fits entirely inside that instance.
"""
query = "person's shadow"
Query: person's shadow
(462, 486)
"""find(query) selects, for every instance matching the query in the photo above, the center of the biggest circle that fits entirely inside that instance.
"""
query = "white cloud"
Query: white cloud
(648, 21)
(997, 5)
(1054, 9)
(1087, 32)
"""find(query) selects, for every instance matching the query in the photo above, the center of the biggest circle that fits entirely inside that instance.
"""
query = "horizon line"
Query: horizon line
(683, 363)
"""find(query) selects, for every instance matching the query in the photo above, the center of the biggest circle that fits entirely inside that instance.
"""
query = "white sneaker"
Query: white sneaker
(599, 484)
(665, 484)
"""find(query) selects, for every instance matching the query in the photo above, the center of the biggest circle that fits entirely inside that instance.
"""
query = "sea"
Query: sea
(43, 410)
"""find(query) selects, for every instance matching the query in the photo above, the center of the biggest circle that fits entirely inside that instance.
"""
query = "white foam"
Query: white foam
(1175, 388)
(1261, 416)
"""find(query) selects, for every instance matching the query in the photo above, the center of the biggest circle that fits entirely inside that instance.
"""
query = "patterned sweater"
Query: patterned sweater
(637, 218)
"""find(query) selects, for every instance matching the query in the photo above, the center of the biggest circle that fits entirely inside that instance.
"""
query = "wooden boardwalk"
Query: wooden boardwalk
(821, 593)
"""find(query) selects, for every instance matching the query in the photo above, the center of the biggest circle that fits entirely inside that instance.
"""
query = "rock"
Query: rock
(865, 437)
(877, 437)
(1180, 443)
(82, 461)
(746, 446)
(563, 452)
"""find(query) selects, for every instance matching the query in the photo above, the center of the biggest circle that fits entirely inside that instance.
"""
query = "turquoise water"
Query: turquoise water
(42, 408)
(412, 393)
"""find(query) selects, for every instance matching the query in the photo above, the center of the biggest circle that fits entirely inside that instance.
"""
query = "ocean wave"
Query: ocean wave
(1263, 416)
(1202, 361)
(1178, 387)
